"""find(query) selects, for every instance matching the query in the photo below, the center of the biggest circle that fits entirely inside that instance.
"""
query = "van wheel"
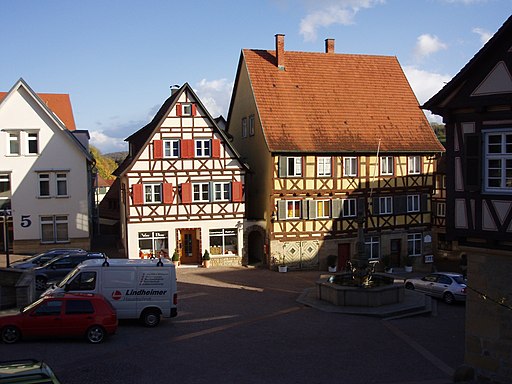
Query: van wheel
(10, 334)
(150, 318)
(40, 283)
(95, 334)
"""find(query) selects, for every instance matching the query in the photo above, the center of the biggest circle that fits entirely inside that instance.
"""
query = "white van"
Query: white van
(138, 289)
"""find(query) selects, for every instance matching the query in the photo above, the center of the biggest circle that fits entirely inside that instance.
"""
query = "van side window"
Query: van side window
(84, 281)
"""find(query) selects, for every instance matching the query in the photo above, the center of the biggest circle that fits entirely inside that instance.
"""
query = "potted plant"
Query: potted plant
(176, 258)
(331, 263)
(206, 259)
(408, 263)
(282, 267)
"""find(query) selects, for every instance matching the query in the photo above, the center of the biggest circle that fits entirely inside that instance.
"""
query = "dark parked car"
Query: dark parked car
(27, 371)
(55, 270)
(64, 315)
(446, 285)
(44, 257)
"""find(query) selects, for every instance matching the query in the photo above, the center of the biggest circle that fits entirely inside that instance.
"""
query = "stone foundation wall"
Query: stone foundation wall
(489, 324)
(28, 247)
(225, 261)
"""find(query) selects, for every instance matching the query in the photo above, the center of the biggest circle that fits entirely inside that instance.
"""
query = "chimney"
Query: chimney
(174, 88)
(280, 51)
(329, 45)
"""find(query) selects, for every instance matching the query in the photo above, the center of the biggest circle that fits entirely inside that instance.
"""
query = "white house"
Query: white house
(182, 187)
(45, 165)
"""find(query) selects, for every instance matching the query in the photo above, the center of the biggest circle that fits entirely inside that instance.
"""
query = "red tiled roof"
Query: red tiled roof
(337, 103)
(60, 104)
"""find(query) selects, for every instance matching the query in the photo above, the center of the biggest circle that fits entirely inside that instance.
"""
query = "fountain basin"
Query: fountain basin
(339, 290)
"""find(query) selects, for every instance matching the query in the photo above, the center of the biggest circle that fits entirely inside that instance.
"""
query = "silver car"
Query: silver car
(446, 285)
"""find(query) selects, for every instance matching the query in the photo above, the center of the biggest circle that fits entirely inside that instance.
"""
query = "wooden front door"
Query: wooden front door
(396, 246)
(343, 256)
(189, 246)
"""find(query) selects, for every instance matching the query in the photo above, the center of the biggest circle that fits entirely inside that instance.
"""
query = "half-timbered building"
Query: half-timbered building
(182, 186)
(476, 106)
(334, 141)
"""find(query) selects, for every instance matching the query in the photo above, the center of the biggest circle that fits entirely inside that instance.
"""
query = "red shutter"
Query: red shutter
(237, 191)
(178, 110)
(215, 148)
(186, 193)
(158, 149)
(187, 149)
(168, 193)
(138, 194)
(194, 110)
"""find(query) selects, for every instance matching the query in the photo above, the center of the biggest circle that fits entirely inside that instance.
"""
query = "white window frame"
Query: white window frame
(323, 165)
(171, 148)
(414, 244)
(203, 147)
(5, 178)
(414, 165)
(297, 207)
(222, 191)
(30, 139)
(349, 207)
(387, 165)
(441, 209)
(251, 125)
(57, 223)
(385, 205)
(369, 244)
(294, 166)
(503, 155)
(413, 203)
(186, 109)
(201, 192)
(61, 179)
(44, 177)
(14, 138)
(152, 193)
(323, 209)
(350, 166)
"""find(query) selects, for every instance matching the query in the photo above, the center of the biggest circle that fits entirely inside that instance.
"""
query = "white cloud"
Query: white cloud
(427, 44)
(107, 144)
(330, 12)
(215, 95)
(484, 35)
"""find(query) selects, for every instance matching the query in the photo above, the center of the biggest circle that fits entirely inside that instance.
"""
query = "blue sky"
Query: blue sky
(118, 58)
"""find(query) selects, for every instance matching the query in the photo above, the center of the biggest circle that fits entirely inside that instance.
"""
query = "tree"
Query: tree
(439, 130)
(105, 165)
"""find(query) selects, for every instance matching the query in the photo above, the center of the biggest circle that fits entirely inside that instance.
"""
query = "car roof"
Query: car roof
(451, 274)
(26, 371)
(127, 262)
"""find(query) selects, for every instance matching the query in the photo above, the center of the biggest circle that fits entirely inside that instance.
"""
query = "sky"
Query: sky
(117, 59)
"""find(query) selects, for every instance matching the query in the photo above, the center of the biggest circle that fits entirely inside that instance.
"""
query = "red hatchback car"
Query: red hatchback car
(61, 315)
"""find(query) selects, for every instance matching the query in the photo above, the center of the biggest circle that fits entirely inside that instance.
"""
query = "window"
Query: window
(186, 109)
(203, 148)
(76, 307)
(414, 244)
(201, 192)
(32, 144)
(152, 193)
(441, 209)
(386, 205)
(62, 184)
(5, 188)
(371, 247)
(350, 166)
(294, 166)
(44, 184)
(413, 203)
(54, 229)
(153, 244)
(244, 127)
(171, 148)
(84, 281)
(413, 165)
(386, 165)
(222, 191)
(49, 308)
(14, 143)
(323, 165)
(223, 241)
(498, 161)
(251, 125)
(293, 209)
(323, 209)
(349, 208)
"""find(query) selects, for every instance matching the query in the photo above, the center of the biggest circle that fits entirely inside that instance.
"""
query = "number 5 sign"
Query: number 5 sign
(25, 221)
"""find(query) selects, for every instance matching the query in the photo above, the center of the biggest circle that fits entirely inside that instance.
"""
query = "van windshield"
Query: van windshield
(68, 278)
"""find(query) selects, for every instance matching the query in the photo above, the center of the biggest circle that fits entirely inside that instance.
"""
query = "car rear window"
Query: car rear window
(74, 307)
(459, 279)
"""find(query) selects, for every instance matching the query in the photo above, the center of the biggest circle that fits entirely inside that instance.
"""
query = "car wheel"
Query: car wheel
(95, 334)
(409, 286)
(448, 298)
(40, 283)
(150, 318)
(10, 334)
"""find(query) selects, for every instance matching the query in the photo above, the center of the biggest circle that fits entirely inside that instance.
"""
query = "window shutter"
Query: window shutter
(158, 149)
(237, 191)
(186, 193)
(138, 194)
(283, 166)
(312, 211)
(194, 110)
(376, 206)
(215, 148)
(424, 202)
(167, 193)
(336, 206)
(361, 207)
(281, 210)
(400, 204)
(472, 163)
(178, 110)
(187, 149)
